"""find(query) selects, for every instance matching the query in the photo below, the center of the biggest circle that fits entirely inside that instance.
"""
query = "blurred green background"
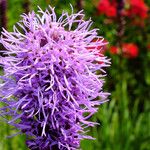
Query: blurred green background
(125, 119)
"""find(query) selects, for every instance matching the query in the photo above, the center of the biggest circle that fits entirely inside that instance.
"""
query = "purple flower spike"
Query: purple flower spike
(50, 85)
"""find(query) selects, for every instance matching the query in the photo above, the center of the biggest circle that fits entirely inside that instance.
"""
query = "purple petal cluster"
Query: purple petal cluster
(50, 85)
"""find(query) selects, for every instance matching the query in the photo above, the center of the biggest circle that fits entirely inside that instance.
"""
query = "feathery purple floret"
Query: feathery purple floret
(50, 83)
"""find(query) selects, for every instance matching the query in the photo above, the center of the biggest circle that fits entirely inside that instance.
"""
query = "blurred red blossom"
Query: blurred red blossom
(114, 50)
(107, 8)
(129, 50)
(132, 8)
(148, 46)
(137, 8)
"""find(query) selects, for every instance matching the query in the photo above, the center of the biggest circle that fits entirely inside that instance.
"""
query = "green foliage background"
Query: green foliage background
(125, 119)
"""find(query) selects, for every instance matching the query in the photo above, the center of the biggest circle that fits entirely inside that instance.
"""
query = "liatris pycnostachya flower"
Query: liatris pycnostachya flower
(50, 85)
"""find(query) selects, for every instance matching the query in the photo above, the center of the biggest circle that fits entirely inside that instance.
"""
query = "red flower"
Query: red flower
(130, 50)
(138, 8)
(148, 46)
(107, 8)
(114, 50)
